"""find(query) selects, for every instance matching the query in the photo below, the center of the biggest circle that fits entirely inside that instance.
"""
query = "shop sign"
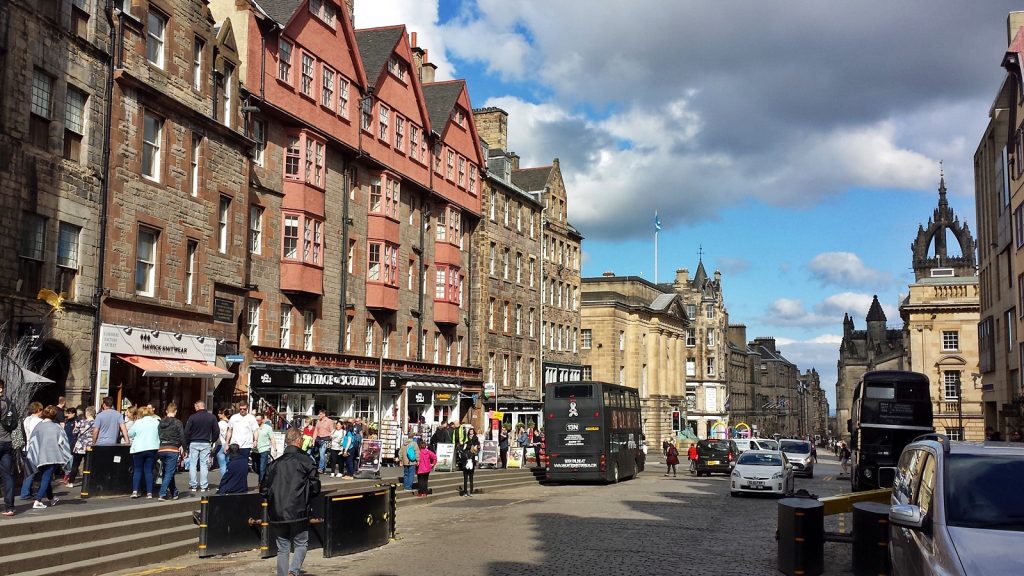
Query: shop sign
(224, 310)
(419, 397)
(156, 343)
(306, 378)
(446, 398)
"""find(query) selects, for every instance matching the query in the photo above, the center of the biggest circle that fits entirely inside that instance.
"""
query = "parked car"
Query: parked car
(744, 444)
(715, 455)
(762, 471)
(799, 453)
(956, 508)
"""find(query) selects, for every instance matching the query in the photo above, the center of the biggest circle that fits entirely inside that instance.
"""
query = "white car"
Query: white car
(762, 471)
(745, 444)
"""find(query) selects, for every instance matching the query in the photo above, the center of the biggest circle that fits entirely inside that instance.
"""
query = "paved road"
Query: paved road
(651, 525)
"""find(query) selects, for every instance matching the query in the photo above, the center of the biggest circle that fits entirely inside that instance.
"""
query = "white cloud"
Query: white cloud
(828, 312)
(844, 269)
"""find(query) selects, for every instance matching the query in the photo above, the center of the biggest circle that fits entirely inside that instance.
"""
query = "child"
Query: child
(427, 460)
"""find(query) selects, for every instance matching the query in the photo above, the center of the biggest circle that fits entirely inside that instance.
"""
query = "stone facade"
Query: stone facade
(743, 380)
(507, 299)
(55, 63)
(812, 405)
(776, 398)
(634, 334)
(940, 317)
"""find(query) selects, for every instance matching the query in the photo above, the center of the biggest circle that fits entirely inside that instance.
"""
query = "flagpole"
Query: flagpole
(655, 256)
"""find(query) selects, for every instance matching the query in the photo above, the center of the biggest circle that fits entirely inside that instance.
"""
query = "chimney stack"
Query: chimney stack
(608, 274)
(492, 126)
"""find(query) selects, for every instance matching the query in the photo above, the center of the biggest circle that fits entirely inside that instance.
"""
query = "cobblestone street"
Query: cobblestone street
(651, 525)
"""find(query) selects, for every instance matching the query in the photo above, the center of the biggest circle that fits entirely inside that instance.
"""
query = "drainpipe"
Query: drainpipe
(104, 193)
(345, 222)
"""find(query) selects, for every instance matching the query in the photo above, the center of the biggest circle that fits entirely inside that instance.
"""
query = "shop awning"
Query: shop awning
(174, 368)
(432, 385)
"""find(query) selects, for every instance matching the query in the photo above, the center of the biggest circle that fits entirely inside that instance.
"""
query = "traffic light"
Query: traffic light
(676, 421)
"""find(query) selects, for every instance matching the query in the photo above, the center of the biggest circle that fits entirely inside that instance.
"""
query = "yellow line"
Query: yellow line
(340, 498)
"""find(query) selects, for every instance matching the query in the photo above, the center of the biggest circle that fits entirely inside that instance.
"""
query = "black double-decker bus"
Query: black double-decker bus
(592, 431)
(890, 409)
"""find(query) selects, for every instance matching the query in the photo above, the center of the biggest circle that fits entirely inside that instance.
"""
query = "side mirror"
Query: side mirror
(906, 515)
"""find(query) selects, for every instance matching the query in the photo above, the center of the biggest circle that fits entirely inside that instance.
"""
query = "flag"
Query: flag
(657, 222)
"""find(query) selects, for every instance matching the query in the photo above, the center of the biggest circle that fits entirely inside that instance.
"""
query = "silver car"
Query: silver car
(957, 508)
(800, 455)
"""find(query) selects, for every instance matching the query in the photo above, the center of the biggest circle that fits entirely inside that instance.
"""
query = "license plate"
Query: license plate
(712, 462)
(756, 484)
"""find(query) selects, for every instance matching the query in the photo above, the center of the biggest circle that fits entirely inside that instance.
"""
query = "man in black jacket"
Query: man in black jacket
(290, 484)
(201, 432)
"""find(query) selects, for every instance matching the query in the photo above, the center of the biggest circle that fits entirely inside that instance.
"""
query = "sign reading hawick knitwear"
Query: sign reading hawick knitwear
(305, 377)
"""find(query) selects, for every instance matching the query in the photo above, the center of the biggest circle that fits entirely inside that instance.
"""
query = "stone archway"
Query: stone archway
(53, 360)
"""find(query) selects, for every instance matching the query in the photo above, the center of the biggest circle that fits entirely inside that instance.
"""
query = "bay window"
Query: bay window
(309, 152)
(312, 238)
(382, 263)
(448, 286)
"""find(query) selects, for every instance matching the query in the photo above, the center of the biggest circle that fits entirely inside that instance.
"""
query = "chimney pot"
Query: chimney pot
(608, 274)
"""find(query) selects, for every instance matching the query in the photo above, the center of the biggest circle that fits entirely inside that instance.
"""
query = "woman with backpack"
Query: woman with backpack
(469, 450)
(671, 459)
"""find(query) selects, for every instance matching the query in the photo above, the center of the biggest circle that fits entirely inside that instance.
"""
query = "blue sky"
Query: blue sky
(796, 143)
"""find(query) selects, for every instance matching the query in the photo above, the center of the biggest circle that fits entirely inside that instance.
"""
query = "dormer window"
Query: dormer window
(324, 11)
(459, 116)
(397, 67)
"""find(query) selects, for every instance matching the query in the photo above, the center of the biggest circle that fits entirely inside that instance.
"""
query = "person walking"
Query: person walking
(83, 442)
(242, 429)
(172, 441)
(145, 439)
(671, 459)
(109, 428)
(324, 429)
(47, 453)
(503, 445)
(337, 442)
(470, 448)
(290, 484)
(426, 461)
(201, 433)
(264, 444)
(844, 457)
(409, 457)
(347, 452)
(69, 423)
(8, 424)
(236, 479)
(35, 411)
(691, 455)
(220, 451)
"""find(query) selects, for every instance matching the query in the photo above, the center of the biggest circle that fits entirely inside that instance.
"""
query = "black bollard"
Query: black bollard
(871, 539)
(801, 537)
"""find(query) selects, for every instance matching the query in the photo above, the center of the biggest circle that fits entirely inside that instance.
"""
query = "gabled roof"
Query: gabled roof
(532, 179)
(279, 10)
(441, 98)
(663, 301)
(375, 48)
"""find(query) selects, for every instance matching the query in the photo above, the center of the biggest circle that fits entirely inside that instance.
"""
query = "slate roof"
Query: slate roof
(875, 313)
(699, 276)
(532, 179)
(375, 48)
(280, 10)
(662, 302)
(440, 98)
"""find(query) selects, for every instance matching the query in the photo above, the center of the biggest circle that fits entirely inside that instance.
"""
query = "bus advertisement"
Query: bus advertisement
(592, 432)
(890, 409)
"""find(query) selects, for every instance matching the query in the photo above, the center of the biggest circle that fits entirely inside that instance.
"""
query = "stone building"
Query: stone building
(507, 302)
(174, 274)
(633, 333)
(999, 202)
(940, 316)
(877, 348)
(775, 398)
(812, 405)
(559, 317)
(706, 342)
(55, 60)
(743, 381)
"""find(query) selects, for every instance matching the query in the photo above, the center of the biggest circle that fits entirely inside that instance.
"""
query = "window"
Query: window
(622, 374)
(448, 285)
(954, 433)
(505, 318)
(253, 324)
(519, 371)
(145, 261)
(259, 134)
(308, 152)
(368, 340)
(67, 257)
(224, 213)
(491, 266)
(711, 337)
(411, 275)
(691, 366)
(587, 336)
(156, 25)
(307, 75)
(229, 92)
(493, 205)
(441, 286)
(504, 263)
(323, 10)
(455, 226)
(441, 227)
(504, 370)
(950, 340)
(711, 366)
(462, 172)
(327, 88)
(382, 263)
(80, 18)
(588, 373)
(1009, 324)
(533, 270)
(472, 180)
(709, 311)
(152, 131)
(414, 132)
(458, 352)
(284, 60)
(194, 163)
(532, 312)
(292, 157)
(198, 46)
(519, 319)
(451, 164)
(519, 268)
(286, 326)
(255, 229)
(74, 123)
(622, 340)
(190, 269)
(691, 337)
(39, 119)
(384, 118)
(691, 311)
(291, 237)
(308, 318)
(951, 384)
(397, 67)
(490, 367)
(399, 133)
(490, 314)
(392, 198)
(366, 113)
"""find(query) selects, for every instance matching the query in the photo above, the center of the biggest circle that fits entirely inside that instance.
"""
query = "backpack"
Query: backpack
(410, 453)
(8, 416)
